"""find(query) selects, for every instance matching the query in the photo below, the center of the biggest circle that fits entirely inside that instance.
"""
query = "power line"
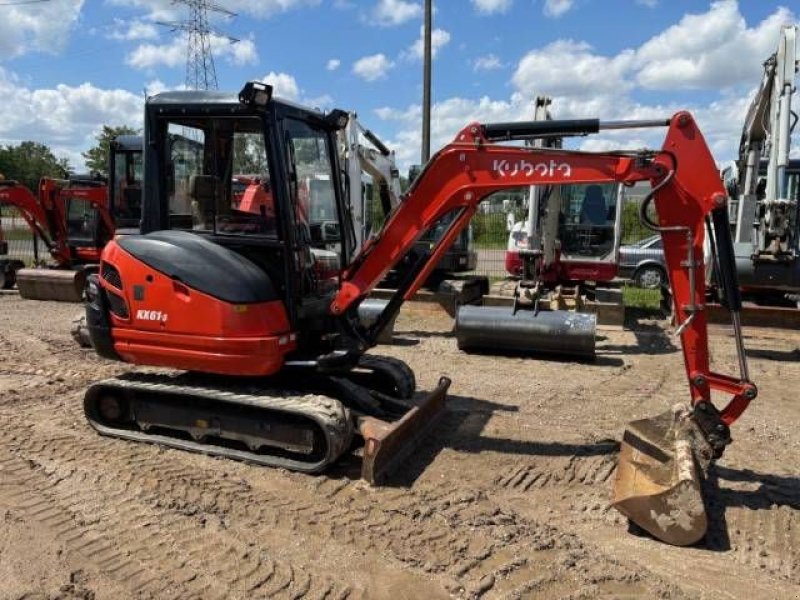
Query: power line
(201, 73)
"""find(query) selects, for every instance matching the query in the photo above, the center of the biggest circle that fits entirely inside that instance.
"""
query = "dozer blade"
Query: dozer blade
(386, 445)
(658, 481)
(62, 285)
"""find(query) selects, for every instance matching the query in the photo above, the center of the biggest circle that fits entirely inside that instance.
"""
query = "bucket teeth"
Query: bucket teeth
(658, 483)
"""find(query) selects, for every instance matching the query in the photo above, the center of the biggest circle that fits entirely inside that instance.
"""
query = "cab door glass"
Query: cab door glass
(219, 179)
(588, 216)
(311, 188)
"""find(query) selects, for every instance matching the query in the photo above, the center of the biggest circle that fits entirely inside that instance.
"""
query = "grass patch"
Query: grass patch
(17, 234)
(489, 244)
(636, 297)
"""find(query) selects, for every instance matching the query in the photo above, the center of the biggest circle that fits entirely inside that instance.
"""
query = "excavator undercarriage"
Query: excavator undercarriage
(297, 420)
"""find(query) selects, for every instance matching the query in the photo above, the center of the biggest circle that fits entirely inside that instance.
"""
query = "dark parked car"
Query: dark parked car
(643, 262)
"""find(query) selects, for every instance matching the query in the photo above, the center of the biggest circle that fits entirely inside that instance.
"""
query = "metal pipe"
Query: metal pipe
(737, 334)
(426, 84)
(634, 124)
(521, 130)
(555, 332)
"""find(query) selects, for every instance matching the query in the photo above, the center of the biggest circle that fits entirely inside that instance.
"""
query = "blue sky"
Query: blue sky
(69, 66)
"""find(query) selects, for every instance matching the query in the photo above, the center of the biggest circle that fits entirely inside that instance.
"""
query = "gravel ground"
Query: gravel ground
(508, 498)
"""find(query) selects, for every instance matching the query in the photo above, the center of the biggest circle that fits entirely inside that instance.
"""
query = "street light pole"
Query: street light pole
(426, 84)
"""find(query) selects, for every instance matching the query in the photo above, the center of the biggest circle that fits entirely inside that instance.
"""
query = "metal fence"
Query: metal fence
(19, 237)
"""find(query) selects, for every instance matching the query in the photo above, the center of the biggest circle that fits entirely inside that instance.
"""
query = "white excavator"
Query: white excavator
(764, 183)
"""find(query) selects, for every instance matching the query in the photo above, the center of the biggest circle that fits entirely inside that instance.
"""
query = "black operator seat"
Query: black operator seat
(594, 210)
(202, 265)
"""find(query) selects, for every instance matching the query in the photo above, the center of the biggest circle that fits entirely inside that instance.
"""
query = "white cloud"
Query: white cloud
(488, 7)
(133, 30)
(267, 8)
(147, 56)
(648, 3)
(439, 39)
(41, 27)
(570, 68)
(165, 10)
(333, 64)
(64, 117)
(556, 8)
(709, 50)
(173, 54)
(372, 68)
(490, 62)
(283, 85)
(388, 13)
(725, 53)
(243, 52)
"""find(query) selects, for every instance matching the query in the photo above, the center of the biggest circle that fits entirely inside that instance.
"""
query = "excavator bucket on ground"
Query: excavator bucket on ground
(658, 483)
(62, 285)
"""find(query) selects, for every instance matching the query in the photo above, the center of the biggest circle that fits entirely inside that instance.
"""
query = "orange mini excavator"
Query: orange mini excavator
(74, 218)
(276, 369)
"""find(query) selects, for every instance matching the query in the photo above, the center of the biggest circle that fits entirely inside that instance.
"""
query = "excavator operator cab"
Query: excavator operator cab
(125, 186)
(589, 224)
(260, 180)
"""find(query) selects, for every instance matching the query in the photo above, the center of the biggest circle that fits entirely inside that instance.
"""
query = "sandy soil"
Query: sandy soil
(507, 499)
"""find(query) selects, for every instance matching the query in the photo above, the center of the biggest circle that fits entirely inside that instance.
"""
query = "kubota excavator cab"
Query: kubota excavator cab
(200, 144)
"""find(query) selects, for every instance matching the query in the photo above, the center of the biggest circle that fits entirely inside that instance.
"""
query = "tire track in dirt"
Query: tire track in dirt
(759, 522)
(176, 560)
(459, 537)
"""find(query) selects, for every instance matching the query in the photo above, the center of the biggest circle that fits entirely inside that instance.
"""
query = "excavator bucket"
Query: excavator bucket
(62, 285)
(387, 444)
(658, 483)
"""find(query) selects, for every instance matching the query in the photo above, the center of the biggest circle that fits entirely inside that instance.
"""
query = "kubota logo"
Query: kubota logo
(522, 167)
(151, 315)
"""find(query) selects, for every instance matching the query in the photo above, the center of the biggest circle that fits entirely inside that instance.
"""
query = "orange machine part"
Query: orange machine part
(169, 324)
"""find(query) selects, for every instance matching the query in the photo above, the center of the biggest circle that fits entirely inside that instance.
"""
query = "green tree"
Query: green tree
(97, 157)
(30, 161)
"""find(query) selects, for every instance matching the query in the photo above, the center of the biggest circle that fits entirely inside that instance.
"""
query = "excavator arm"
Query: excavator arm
(689, 198)
(20, 197)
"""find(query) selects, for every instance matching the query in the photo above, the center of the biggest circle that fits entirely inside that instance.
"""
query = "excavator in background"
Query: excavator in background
(374, 165)
(275, 364)
(74, 218)
(764, 184)
(571, 235)
(8, 266)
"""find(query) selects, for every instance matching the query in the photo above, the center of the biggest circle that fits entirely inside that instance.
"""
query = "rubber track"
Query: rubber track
(327, 412)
